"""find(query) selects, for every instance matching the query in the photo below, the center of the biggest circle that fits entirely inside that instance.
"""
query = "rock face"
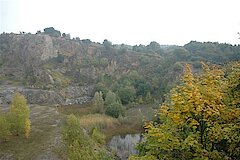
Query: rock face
(38, 63)
(57, 70)
(66, 96)
(24, 53)
(76, 94)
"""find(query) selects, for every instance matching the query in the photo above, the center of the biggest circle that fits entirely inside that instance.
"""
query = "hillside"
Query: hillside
(60, 70)
(83, 94)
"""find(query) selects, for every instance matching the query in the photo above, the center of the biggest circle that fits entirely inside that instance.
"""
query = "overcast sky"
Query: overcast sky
(127, 21)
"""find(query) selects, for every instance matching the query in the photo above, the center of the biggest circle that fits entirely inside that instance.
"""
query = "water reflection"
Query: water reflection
(124, 146)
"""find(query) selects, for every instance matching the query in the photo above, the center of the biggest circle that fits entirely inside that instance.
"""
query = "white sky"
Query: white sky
(127, 21)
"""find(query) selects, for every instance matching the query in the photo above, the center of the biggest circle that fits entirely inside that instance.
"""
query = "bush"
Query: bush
(52, 32)
(19, 115)
(98, 102)
(79, 144)
(114, 110)
(4, 128)
(127, 94)
(110, 98)
(98, 136)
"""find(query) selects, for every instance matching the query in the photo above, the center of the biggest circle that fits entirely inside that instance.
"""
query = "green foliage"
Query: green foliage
(197, 123)
(79, 145)
(140, 100)
(177, 67)
(88, 61)
(59, 79)
(154, 46)
(19, 115)
(100, 121)
(77, 142)
(181, 53)
(142, 87)
(103, 62)
(213, 52)
(149, 98)
(100, 87)
(127, 94)
(98, 102)
(233, 85)
(98, 136)
(73, 130)
(110, 98)
(4, 127)
(107, 43)
(115, 110)
(146, 157)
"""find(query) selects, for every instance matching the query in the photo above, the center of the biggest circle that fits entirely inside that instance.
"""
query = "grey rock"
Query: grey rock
(66, 96)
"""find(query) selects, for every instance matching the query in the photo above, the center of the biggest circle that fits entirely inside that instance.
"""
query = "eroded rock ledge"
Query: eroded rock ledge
(65, 96)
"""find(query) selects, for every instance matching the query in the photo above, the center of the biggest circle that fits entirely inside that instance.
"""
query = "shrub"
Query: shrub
(4, 128)
(19, 115)
(127, 94)
(114, 110)
(98, 136)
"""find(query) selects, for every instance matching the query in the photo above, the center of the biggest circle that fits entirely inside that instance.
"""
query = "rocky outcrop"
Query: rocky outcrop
(76, 94)
(66, 96)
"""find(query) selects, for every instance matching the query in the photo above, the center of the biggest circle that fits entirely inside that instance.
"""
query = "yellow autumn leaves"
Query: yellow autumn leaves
(201, 119)
(17, 120)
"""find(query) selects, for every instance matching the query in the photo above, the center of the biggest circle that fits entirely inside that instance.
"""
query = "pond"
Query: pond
(124, 146)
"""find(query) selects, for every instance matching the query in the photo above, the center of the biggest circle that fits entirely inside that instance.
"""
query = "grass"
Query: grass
(110, 126)
(59, 78)
(140, 113)
(46, 124)
(99, 120)
(78, 110)
(131, 123)
(44, 131)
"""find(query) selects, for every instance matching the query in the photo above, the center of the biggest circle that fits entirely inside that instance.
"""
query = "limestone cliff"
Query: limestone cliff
(54, 70)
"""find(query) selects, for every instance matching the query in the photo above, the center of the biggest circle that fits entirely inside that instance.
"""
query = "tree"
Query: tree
(148, 98)
(19, 115)
(142, 87)
(38, 32)
(100, 87)
(233, 86)
(98, 102)
(52, 32)
(110, 98)
(107, 43)
(154, 46)
(78, 143)
(4, 127)
(64, 35)
(196, 123)
(98, 136)
(127, 94)
(114, 110)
